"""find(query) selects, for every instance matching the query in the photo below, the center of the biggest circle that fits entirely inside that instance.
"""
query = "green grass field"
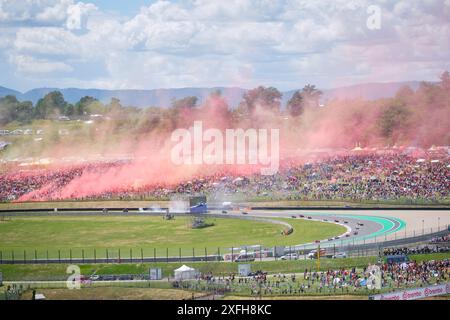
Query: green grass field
(47, 272)
(32, 237)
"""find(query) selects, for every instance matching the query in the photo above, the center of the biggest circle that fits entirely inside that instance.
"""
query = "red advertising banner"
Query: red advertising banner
(413, 294)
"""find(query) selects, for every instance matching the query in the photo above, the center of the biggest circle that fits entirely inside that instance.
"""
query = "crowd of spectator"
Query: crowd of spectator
(391, 276)
(440, 239)
(45, 183)
(416, 250)
(413, 273)
(350, 177)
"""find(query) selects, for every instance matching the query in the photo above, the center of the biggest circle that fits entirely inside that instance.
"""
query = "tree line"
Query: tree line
(418, 116)
(53, 104)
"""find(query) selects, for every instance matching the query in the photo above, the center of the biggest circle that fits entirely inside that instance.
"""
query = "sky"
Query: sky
(206, 43)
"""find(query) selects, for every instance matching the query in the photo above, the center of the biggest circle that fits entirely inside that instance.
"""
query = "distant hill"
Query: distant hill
(163, 97)
(5, 92)
(369, 91)
(366, 91)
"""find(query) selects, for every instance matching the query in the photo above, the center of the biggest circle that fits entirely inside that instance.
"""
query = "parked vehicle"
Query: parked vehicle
(340, 255)
(289, 256)
(313, 253)
(249, 257)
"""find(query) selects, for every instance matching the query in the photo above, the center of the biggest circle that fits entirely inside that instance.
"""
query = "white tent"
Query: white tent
(184, 272)
(39, 296)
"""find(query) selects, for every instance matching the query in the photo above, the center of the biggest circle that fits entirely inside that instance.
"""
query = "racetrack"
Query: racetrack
(378, 225)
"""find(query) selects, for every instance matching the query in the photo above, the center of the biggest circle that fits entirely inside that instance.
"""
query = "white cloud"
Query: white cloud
(30, 65)
(44, 12)
(46, 41)
(236, 42)
(77, 15)
(52, 11)
(55, 12)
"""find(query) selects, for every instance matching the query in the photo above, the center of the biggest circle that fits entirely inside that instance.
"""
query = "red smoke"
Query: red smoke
(339, 124)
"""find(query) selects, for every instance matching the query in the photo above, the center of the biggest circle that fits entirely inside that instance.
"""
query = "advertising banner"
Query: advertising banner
(155, 274)
(413, 294)
(244, 269)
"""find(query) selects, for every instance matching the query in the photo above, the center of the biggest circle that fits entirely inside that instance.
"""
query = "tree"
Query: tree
(116, 111)
(392, 118)
(96, 107)
(186, 102)
(82, 106)
(268, 98)
(149, 120)
(7, 109)
(445, 80)
(69, 110)
(51, 104)
(311, 95)
(404, 93)
(216, 102)
(115, 105)
(24, 111)
(11, 109)
(295, 105)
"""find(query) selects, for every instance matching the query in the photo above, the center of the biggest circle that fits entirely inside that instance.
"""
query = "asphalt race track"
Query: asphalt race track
(378, 225)
(365, 228)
